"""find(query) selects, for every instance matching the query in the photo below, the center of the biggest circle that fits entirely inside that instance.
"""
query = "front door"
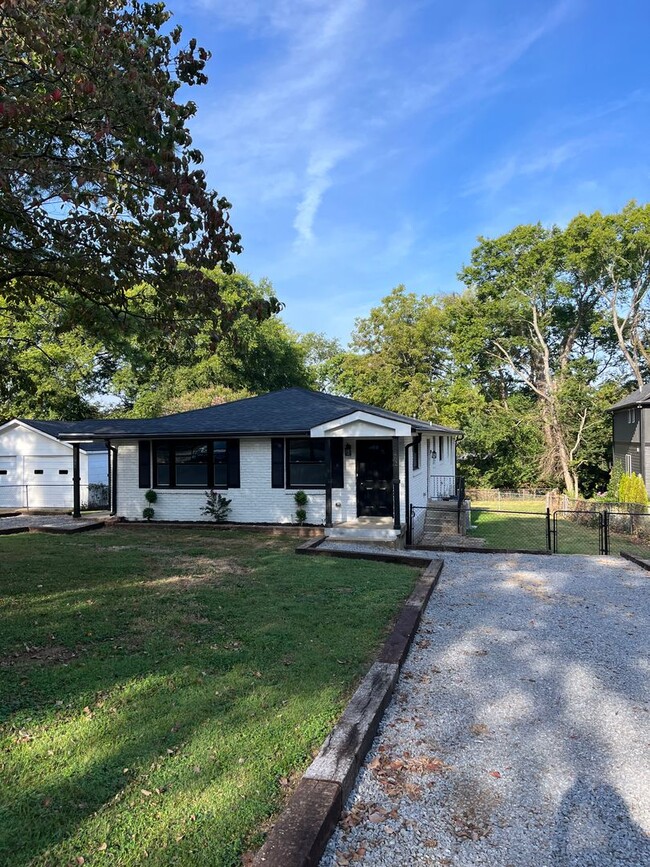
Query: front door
(375, 478)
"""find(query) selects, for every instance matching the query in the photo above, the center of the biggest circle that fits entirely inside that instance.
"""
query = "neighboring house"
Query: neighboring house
(631, 433)
(36, 467)
(359, 465)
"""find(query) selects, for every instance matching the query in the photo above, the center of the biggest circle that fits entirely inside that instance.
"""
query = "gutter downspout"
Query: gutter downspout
(407, 487)
(642, 443)
(112, 477)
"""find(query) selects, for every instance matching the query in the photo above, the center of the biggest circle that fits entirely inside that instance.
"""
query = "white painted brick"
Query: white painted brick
(255, 501)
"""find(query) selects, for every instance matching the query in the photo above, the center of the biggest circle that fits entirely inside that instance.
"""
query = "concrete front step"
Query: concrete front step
(356, 534)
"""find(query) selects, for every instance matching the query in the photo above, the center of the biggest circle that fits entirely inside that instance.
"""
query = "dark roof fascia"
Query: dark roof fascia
(181, 435)
(201, 435)
(633, 404)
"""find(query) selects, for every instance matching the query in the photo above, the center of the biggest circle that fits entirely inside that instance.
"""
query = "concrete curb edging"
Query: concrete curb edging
(300, 834)
(638, 561)
(11, 531)
(53, 530)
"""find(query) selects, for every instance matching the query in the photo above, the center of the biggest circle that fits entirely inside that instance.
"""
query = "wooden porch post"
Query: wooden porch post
(76, 482)
(328, 482)
(397, 523)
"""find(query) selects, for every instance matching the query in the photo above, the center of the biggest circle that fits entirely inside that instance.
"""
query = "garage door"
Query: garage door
(11, 494)
(49, 481)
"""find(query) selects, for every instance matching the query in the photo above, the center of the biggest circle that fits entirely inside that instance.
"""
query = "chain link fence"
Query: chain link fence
(596, 530)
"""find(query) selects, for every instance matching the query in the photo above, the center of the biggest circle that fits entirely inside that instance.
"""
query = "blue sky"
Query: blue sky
(366, 143)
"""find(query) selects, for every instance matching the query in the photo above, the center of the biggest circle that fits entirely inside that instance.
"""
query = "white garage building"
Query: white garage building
(36, 468)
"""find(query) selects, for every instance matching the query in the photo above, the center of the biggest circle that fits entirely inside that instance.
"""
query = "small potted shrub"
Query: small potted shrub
(301, 501)
(216, 506)
(148, 512)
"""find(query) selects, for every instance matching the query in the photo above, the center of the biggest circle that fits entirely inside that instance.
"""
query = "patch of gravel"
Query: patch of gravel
(518, 733)
(49, 520)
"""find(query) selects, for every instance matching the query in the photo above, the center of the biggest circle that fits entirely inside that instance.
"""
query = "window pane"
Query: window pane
(307, 474)
(220, 451)
(306, 462)
(299, 451)
(192, 464)
(221, 475)
(162, 466)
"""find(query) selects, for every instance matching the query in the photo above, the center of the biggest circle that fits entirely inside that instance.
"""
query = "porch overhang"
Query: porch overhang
(362, 425)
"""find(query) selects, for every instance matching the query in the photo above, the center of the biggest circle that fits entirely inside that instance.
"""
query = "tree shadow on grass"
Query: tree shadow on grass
(241, 686)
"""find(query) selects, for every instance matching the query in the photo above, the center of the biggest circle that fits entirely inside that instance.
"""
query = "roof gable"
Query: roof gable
(641, 395)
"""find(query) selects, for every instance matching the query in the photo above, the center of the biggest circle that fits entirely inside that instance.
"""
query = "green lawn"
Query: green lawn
(536, 505)
(161, 689)
(528, 532)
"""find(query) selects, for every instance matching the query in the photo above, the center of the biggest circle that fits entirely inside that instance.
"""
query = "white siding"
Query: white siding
(24, 450)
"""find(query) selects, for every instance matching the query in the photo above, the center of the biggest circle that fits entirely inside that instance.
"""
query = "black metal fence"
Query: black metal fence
(563, 531)
(53, 496)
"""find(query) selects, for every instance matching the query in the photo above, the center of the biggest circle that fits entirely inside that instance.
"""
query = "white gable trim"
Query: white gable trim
(18, 423)
(362, 424)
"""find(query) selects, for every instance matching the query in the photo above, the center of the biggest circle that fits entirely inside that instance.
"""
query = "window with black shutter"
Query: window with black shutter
(144, 464)
(277, 462)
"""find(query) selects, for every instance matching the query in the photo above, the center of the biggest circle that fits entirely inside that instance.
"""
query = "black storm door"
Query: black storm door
(375, 478)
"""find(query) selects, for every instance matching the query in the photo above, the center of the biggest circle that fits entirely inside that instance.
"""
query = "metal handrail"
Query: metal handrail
(446, 487)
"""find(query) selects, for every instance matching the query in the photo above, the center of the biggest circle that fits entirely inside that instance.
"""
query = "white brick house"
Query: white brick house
(359, 465)
(36, 467)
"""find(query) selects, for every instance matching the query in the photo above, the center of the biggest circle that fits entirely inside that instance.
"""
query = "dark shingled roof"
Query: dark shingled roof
(641, 395)
(56, 428)
(292, 411)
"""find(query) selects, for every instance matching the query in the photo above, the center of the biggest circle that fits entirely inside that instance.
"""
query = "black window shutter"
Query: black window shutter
(233, 464)
(277, 463)
(336, 446)
(144, 464)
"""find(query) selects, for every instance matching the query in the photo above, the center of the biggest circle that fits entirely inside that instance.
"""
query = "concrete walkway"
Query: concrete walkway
(51, 522)
(519, 731)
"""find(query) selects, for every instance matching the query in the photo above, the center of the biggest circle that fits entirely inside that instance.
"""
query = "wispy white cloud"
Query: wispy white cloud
(327, 92)
(527, 164)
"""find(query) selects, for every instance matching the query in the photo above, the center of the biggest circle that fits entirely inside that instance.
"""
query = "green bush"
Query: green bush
(614, 484)
(216, 506)
(632, 489)
(148, 513)
(301, 499)
(151, 496)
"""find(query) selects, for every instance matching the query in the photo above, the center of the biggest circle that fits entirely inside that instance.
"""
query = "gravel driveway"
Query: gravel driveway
(518, 734)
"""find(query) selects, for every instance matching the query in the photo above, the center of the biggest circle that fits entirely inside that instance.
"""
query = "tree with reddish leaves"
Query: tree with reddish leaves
(101, 189)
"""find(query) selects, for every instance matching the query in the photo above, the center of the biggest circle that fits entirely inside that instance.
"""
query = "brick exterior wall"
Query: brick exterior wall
(256, 501)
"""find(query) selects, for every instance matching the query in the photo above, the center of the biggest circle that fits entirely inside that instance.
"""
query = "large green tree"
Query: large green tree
(100, 184)
(610, 254)
(543, 328)
(161, 373)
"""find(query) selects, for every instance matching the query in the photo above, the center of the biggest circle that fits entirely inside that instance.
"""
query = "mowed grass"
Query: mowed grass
(536, 505)
(160, 690)
(527, 532)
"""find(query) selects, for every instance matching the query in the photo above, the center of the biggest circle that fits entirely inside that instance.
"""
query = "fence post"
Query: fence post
(606, 532)
(548, 529)
(409, 527)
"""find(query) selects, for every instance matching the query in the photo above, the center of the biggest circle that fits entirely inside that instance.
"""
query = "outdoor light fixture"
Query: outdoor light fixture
(348, 450)
(433, 454)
